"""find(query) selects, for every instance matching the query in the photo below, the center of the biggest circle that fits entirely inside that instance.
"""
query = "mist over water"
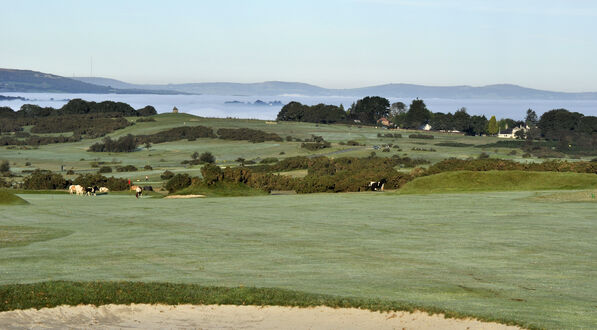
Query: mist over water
(215, 106)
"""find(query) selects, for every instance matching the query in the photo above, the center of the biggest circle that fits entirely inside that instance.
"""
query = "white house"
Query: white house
(510, 133)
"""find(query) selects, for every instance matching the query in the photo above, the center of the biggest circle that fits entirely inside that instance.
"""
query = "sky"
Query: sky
(336, 44)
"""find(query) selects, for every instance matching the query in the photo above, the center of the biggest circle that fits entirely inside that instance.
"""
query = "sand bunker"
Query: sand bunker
(184, 196)
(142, 316)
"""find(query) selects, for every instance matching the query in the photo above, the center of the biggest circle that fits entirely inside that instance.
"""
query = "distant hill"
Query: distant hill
(38, 82)
(272, 88)
(32, 81)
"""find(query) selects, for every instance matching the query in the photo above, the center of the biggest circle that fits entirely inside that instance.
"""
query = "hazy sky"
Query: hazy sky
(351, 43)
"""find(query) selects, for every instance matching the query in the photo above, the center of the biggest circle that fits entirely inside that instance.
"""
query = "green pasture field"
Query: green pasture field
(506, 256)
(169, 155)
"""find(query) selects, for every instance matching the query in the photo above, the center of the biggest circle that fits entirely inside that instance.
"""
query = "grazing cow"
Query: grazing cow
(72, 189)
(80, 190)
(148, 188)
(377, 185)
(104, 190)
(91, 190)
(138, 191)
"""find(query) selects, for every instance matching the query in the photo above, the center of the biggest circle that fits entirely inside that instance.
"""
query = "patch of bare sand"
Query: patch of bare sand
(142, 316)
(184, 196)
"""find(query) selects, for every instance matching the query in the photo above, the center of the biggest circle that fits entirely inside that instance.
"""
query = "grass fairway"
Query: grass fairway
(471, 181)
(498, 256)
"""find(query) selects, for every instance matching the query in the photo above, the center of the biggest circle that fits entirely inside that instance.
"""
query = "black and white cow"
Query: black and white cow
(148, 188)
(91, 190)
(377, 185)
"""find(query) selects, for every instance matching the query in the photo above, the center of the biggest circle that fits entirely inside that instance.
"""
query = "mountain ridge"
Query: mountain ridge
(13, 80)
(398, 90)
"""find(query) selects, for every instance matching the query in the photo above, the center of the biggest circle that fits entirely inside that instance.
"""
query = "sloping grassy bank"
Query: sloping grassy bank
(471, 181)
(9, 198)
(52, 294)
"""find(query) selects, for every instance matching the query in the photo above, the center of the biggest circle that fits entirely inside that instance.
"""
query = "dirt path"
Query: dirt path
(141, 316)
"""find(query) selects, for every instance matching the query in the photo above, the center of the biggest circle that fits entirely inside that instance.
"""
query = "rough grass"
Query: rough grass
(222, 189)
(9, 198)
(492, 255)
(52, 294)
(576, 196)
(472, 181)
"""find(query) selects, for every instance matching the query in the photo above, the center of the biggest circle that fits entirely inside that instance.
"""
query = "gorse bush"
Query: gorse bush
(126, 168)
(105, 169)
(421, 136)
(44, 180)
(251, 135)
(177, 133)
(178, 182)
(123, 144)
(167, 175)
(112, 183)
(207, 158)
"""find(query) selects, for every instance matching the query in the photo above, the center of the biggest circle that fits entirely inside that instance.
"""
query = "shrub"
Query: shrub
(421, 136)
(41, 179)
(178, 182)
(269, 160)
(148, 167)
(4, 166)
(105, 169)
(126, 168)
(352, 143)
(123, 144)
(167, 175)
(70, 172)
(207, 158)
(252, 135)
(112, 183)
(483, 155)
(453, 144)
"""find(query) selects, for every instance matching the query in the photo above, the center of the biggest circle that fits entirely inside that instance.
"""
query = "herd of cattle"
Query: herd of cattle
(82, 191)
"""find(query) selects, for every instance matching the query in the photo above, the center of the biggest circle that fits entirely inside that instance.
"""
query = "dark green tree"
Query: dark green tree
(417, 114)
(531, 119)
(369, 109)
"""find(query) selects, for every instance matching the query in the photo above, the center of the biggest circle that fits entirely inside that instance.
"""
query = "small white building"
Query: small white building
(425, 127)
(510, 133)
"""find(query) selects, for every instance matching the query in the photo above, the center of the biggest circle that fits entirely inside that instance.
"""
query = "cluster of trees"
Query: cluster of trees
(366, 110)
(320, 113)
(81, 117)
(77, 107)
(574, 131)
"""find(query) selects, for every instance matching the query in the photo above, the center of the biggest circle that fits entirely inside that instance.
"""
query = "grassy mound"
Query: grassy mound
(8, 198)
(52, 294)
(470, 181)
(222, 189)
